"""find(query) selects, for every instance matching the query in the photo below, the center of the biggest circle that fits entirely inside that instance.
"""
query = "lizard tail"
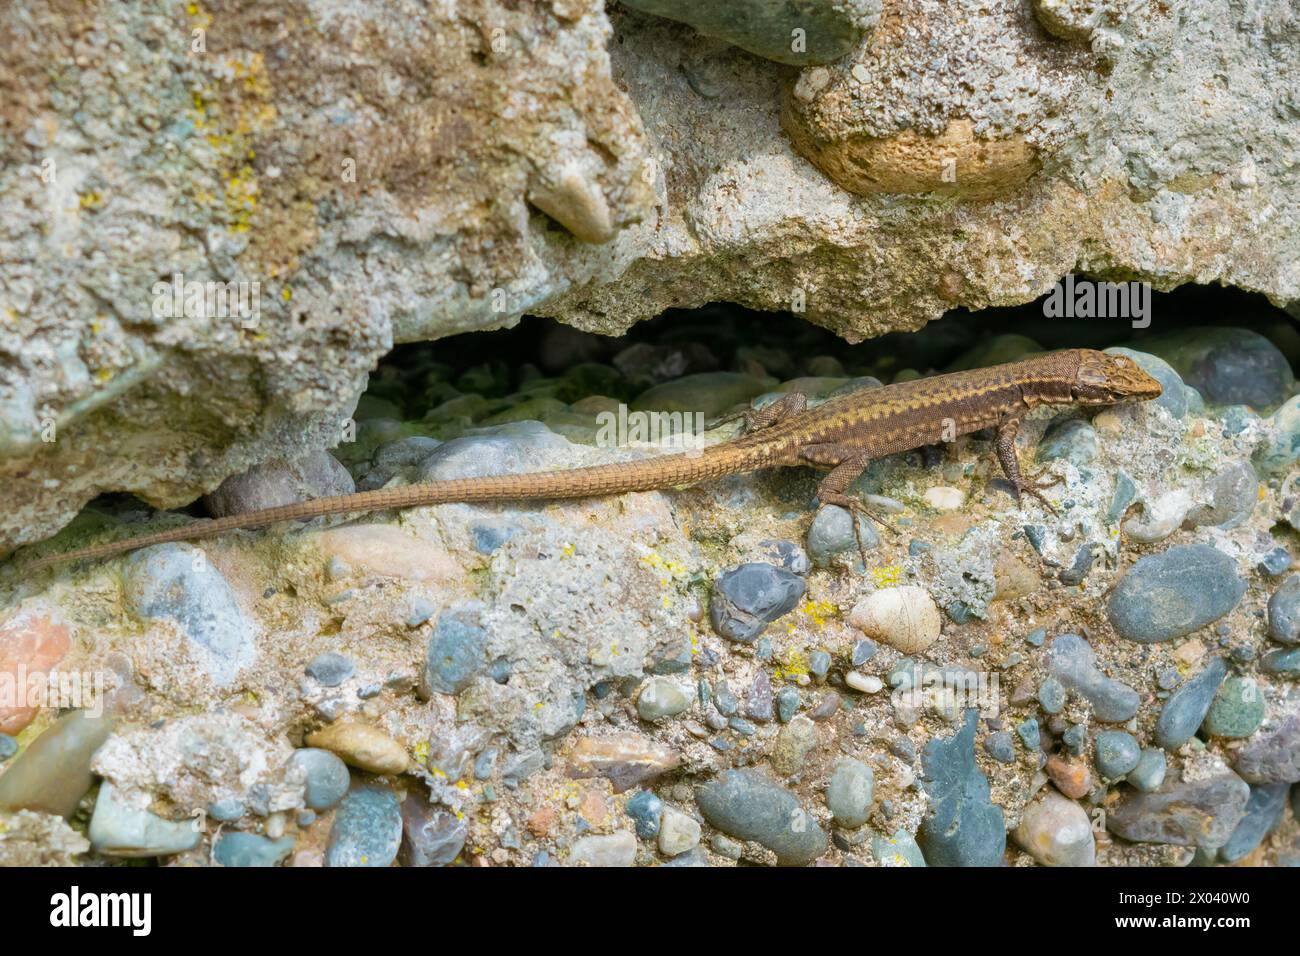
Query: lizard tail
(594, 481)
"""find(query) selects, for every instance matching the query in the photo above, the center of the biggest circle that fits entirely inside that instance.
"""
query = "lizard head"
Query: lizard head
(1110, 379)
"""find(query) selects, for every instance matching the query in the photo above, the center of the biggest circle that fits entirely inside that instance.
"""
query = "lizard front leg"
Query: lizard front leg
(1004, 444)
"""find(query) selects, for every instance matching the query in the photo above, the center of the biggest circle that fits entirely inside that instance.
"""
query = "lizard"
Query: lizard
(844, 435)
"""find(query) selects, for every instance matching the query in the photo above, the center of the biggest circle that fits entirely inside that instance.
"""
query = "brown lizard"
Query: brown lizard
(843, 435)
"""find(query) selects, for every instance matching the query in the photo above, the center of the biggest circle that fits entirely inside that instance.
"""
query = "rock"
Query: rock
(662, 698)
(455, 654)
(1173, 395)
(1285, 662)
(618, 849)
(788, 555)
(1071, 777)
(30, 839)
(176, 583)
(944, 498)
(1068, 439)
(8, 747)
(1284, 612)
(646, 811)
(848, 795)
(1234, 492)
(330, 669)
(1029, 734)
(31, 645)
(795, 741)
(899, 850)
(1117, 753)
(1072, 661)
(748, 806)
(1237, 710)
(1159, 518)
(431, 836)
(709, 392)
(53, 773)
(1197, 813)
(678, 833)
(999, 746)
(362, 746)
(327, 777)
(831, 533)
(961, 826)
(1149, 773)
(1228, 366)
(759, 702)
(1056, 831)
(119, 828)
(1051, 696)
(1278, 453)
(1271, 756)
(1186, 707)
(367, 828)
(906, 618)
(1167, 595)
(770, 30)
(278, 482)
(1264, 811)
(749, 597)
(788, 703)
(864, 683)
(233, 848)
(624, 759)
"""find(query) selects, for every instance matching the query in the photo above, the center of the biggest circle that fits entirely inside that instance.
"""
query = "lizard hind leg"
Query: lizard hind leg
(847, 466)
(756, 419)
(1004, 444)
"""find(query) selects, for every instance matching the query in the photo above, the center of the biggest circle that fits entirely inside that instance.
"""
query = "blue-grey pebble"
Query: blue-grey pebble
(819, 664)
(1174, 593)
(431, 835)
(863, 651)
(454, 656)
(849, 792)
(1068, 439)
(1029, 734)
(1284, 661)
(367, 829)
(1237, 709)
(330, 669)
(962, 826)
(234, 848)
(831, 533)
(327, 777)
(787, 704)
(748, 598)
(646, 811)
(747, 805)
(226, 810)
(999, 747)
(1051, 695)
(1187, 706)
(1117, 753)
(8, 747)
(1284, 612)
(1149, 774)
(1264, 812)
(1072, 661)
(1275, 562)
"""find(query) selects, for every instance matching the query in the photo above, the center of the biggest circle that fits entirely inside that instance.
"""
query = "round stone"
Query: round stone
(848, 795)
(1237, 710)
(1168, 595)
(327, 777)
(1117, 753)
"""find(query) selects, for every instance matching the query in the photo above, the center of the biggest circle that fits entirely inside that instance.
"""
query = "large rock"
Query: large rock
(395, 172)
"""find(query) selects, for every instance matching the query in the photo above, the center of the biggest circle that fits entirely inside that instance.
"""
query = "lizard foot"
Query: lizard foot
(856, 509)
(1033, 490)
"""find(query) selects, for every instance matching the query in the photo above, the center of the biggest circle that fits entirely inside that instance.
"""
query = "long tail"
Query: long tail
(594, 481)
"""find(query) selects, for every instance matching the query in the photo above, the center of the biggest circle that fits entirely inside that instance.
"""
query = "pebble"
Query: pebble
(1051, 695)
(367, 828)
(662, 698)
(1234, 492)
(1126, 493)
(646, 811)
(849, 793)
(749, 597)
(788, 555)
(119, 829)
(616, 849)
(278, 482)
(709, 392)
(999, 746)
(1071, 777)
(31, 644)
(8, 747)
(1029, 734)
(944, 498)
(748, 806)
(865, 683)
(53, 773)
(1284, 662)
(787, 704)
(1275, 563)
(725, 846)
(330, 669)
(1237, 710)
(1227, 365)
(819, 665)
(1056, 831)
(1200, 813)
(1149, 774)
(327, 777)
(234, 848)
(795, 741)
(1117, 753)
(1074, 738)
(899, 850)
(1271, 756)
(1068, 439)
(831, 533)
(678, 832)
(454, 656)
(1186, 707)
(1072, 661)
(759, 701)
(431, 835)
(176, 583)
(1159, 517)
(1284, 612)
(961, 826)
(1264, 812)
(863, 651)
(362, 746)
(228, 810)
(906, 618)
(1168, 595)
(512, 448)
(1277, 455)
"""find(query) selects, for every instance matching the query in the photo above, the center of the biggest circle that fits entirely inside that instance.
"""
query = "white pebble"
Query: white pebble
(866, 683)
(905, 618)
(944, 498)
